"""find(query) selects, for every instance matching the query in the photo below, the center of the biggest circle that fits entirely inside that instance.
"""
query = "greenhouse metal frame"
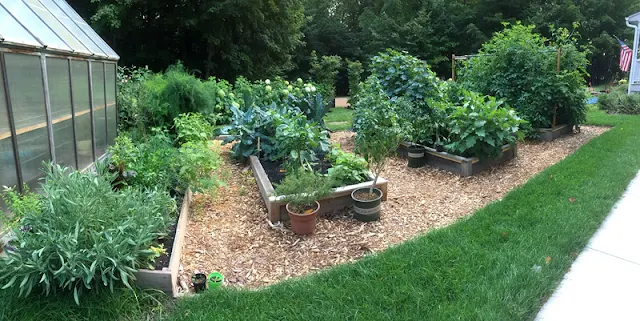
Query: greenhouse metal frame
(57, 90)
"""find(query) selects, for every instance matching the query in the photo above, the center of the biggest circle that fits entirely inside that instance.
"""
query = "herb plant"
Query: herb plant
(84, 235)
(301, 189)
(346, 168)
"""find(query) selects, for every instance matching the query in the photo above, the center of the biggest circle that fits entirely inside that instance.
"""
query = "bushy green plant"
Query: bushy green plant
(346, 168)
(192, 127)
(297, 141)
(354, 71)
(223, 97)
(131, 98)
(377, 127)
(84, 235)
(195, 164)
(249, 127)
(19, 204)
(481, 125)
(324, 71)
(619, 102)
(519, 66)
(301, 189)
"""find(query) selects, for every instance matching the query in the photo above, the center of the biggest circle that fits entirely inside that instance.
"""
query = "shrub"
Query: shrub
(354, 70)
(84, 235)
(131, 98)
(377, 127)
(518, 65)
(223, 98)
(324, 71)
(192, 127)
(619, 102)
(19, 204)
(480, 126)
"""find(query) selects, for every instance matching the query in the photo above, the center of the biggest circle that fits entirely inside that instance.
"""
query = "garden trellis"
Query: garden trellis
(57, 90)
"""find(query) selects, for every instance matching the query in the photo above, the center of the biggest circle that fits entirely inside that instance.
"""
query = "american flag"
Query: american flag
(625, 56)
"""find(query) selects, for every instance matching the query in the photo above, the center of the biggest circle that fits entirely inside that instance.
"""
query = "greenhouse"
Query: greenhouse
(57, 90)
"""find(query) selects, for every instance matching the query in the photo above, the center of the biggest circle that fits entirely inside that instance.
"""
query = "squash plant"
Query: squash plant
(481, 125)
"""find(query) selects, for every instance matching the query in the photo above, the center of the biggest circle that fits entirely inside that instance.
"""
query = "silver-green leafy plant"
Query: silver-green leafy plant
(85, 235)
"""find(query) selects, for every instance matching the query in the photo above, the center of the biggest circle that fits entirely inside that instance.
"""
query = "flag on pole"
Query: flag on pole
(626, 55)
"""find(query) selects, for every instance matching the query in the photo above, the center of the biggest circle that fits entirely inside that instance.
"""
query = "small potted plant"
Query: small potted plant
(301, 190)
(378, 135)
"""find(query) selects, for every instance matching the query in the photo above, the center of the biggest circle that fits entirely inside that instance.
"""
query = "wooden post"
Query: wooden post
(453, 67)
(555, 108)
(258, 146)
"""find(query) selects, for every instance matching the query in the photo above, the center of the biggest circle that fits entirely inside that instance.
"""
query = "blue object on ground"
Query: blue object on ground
(592, 100)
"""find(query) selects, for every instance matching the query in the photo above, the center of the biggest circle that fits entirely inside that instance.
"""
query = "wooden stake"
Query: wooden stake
(258, 147)
(555, 108)
(453, 66)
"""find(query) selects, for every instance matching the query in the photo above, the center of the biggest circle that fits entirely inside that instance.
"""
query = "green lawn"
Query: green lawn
(484, 267)
(339, 119)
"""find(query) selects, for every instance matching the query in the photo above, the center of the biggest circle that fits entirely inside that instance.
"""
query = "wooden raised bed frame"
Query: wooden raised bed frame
(463, 166)
(549, 134)
(166, 280)
(340, 198)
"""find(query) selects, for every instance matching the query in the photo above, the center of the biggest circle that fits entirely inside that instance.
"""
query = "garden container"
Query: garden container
(415, 155)
(367, 210)
(199, 281)
(215, 280)
(303, 224)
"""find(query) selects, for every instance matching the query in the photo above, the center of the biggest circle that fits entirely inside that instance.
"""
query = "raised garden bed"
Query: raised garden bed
(340, 198)
(463, 166)
(166, 278)
(549, 134)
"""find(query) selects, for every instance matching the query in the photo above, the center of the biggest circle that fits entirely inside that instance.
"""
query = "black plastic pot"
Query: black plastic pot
(199, 281)
(415, 154)
(366, 210)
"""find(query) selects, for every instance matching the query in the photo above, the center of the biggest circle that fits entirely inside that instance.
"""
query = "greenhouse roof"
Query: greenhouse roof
(50, 25)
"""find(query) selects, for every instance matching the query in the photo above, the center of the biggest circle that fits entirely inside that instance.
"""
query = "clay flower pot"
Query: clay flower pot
(305, 223)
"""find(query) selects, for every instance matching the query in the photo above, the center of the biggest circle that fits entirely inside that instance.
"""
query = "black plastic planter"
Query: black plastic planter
(199, 281)
(415, 154)
(367, 210)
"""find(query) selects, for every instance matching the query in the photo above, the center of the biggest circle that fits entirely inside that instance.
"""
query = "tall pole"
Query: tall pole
(453, 66)
(555, 108)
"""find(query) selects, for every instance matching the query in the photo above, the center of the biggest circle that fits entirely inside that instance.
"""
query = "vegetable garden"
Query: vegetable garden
(276, 194)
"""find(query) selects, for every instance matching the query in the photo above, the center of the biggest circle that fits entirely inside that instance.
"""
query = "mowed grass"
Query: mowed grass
(339, 118)
(499, 264)
(502, 263)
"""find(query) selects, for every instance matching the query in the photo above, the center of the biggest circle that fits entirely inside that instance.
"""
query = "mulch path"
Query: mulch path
(229, 231)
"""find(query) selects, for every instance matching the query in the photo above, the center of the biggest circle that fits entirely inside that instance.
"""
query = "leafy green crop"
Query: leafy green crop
(195, 163)
(297, 141)
(192, 127)
(480, 126)
(84, 235)
(346, 168)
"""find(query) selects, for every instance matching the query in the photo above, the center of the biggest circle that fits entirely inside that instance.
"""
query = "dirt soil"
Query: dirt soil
(230, 233)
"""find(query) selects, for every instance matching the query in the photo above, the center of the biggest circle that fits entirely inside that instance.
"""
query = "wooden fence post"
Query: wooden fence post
(453, 67)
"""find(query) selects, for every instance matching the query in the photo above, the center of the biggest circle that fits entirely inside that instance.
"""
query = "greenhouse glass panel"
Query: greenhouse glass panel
(73, 27)
(99, 111)
(112, 113)
(86, 28)
(12, 30)
(56, 26)
(81, 106)
(8, 174)
(60, 98)
(31, 21)
(26, 90)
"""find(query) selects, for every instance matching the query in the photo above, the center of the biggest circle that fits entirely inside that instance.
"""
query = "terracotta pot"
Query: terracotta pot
(303, 224)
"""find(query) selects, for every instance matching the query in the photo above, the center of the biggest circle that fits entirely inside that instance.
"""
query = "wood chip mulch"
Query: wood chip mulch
(229, 231)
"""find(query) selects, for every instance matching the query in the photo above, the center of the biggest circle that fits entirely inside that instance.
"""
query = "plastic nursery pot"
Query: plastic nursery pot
(199, 281)
(366, 209)
(415, 154)
(303, 224)
(215, 280)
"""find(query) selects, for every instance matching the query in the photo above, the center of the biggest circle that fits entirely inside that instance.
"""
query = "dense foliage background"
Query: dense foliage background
(262, 38)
